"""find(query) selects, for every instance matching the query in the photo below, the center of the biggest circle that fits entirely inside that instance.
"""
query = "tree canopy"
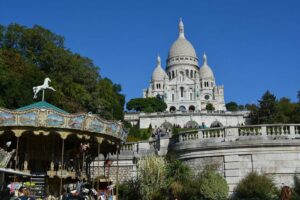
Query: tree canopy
(209, 107)
(271, 110)
(28, 55)
(147, 105)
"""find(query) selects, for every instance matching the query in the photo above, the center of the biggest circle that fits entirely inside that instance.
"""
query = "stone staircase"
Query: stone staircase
(39, 190)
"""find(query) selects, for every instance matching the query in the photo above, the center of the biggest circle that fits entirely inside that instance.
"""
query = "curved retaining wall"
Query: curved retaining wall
(236, 151)
(270, 149)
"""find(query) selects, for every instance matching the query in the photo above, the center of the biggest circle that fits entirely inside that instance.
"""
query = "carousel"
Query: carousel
(52, 148)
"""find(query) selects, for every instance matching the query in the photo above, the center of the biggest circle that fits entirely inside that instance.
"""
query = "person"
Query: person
(66, 194)
(102, 196)
(286, 193)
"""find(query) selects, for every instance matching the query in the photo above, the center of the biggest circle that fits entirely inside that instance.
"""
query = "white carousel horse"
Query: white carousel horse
(37, 89)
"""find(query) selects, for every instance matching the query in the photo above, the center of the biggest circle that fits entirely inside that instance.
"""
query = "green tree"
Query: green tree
(284, 111)
(256, 187)
(28, 55)
(267, 108)
(209, 107)
(147, 105)
(232, 106)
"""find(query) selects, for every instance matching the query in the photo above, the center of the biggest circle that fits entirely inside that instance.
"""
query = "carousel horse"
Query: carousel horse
(286, 193)
(45, 85)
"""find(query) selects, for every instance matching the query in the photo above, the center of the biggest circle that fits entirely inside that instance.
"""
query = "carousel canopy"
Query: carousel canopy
(42, 105)
(45, 117)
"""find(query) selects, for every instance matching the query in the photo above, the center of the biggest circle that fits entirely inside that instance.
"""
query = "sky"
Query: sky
(252, 45)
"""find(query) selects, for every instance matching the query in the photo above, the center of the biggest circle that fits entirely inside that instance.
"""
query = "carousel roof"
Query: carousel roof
(43, 117)
(41, 105)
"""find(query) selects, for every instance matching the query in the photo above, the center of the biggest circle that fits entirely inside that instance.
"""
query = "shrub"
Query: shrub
(129, 190)
(212, 186)
(152, 177)
(256, 187)
(178, 175)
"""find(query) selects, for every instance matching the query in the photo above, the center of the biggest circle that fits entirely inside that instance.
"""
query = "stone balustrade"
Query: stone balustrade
(259, 132)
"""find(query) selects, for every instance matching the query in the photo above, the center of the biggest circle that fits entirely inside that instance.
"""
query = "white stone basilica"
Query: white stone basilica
(184, 86)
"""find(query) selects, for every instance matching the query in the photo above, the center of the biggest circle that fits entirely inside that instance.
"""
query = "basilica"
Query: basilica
(184, 85)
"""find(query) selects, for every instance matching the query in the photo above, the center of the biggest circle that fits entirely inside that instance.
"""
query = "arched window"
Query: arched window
(182, 108)
(187, 72)
(181, 91)
(191, 108)
(173, 74)
(191, 73)
(173, 97)
(172, 109)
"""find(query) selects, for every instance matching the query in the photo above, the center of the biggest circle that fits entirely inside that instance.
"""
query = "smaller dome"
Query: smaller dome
(205, 71)
(158, 74)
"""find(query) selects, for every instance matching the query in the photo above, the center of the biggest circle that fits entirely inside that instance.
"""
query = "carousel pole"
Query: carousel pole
(98, 184)
(62, 166)
(17, 159)
(117, 175)
(93, 183)
(17, 152)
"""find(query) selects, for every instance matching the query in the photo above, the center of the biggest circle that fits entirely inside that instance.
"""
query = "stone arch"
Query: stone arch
(182, 108)
(216, 124)
(172, 109)
(191, 124)
(166, 125)
(191, 108)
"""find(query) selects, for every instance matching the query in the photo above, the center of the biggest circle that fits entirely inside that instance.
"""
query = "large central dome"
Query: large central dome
(182, 47)
(182, 51)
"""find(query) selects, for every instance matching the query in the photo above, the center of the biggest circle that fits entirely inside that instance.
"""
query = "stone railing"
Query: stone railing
(129, 146)
(215, 135)
(259, 132)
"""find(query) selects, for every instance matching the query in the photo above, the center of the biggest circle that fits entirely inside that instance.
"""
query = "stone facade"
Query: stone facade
(183, 119)
(184, 86)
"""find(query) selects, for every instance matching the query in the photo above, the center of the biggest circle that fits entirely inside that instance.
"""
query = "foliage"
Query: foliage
(178, 174)
(137, 134)
(256, 187)
(147, 105)
(152, 177)
(28, 55)
(129, 190)
(213, 186)
(209, 107)
(269, 110)
(232, 106)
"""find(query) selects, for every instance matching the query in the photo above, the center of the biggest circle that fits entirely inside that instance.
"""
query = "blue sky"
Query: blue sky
(252, 45)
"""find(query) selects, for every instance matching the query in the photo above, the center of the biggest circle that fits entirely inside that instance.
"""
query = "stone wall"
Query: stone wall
(236, 151)
(181, 119)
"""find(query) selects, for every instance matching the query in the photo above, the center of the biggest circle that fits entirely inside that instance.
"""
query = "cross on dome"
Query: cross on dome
(204, 59)
(181, 28)
(158, 61)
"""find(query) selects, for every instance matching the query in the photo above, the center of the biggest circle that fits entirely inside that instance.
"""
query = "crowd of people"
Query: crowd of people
(83, 192)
